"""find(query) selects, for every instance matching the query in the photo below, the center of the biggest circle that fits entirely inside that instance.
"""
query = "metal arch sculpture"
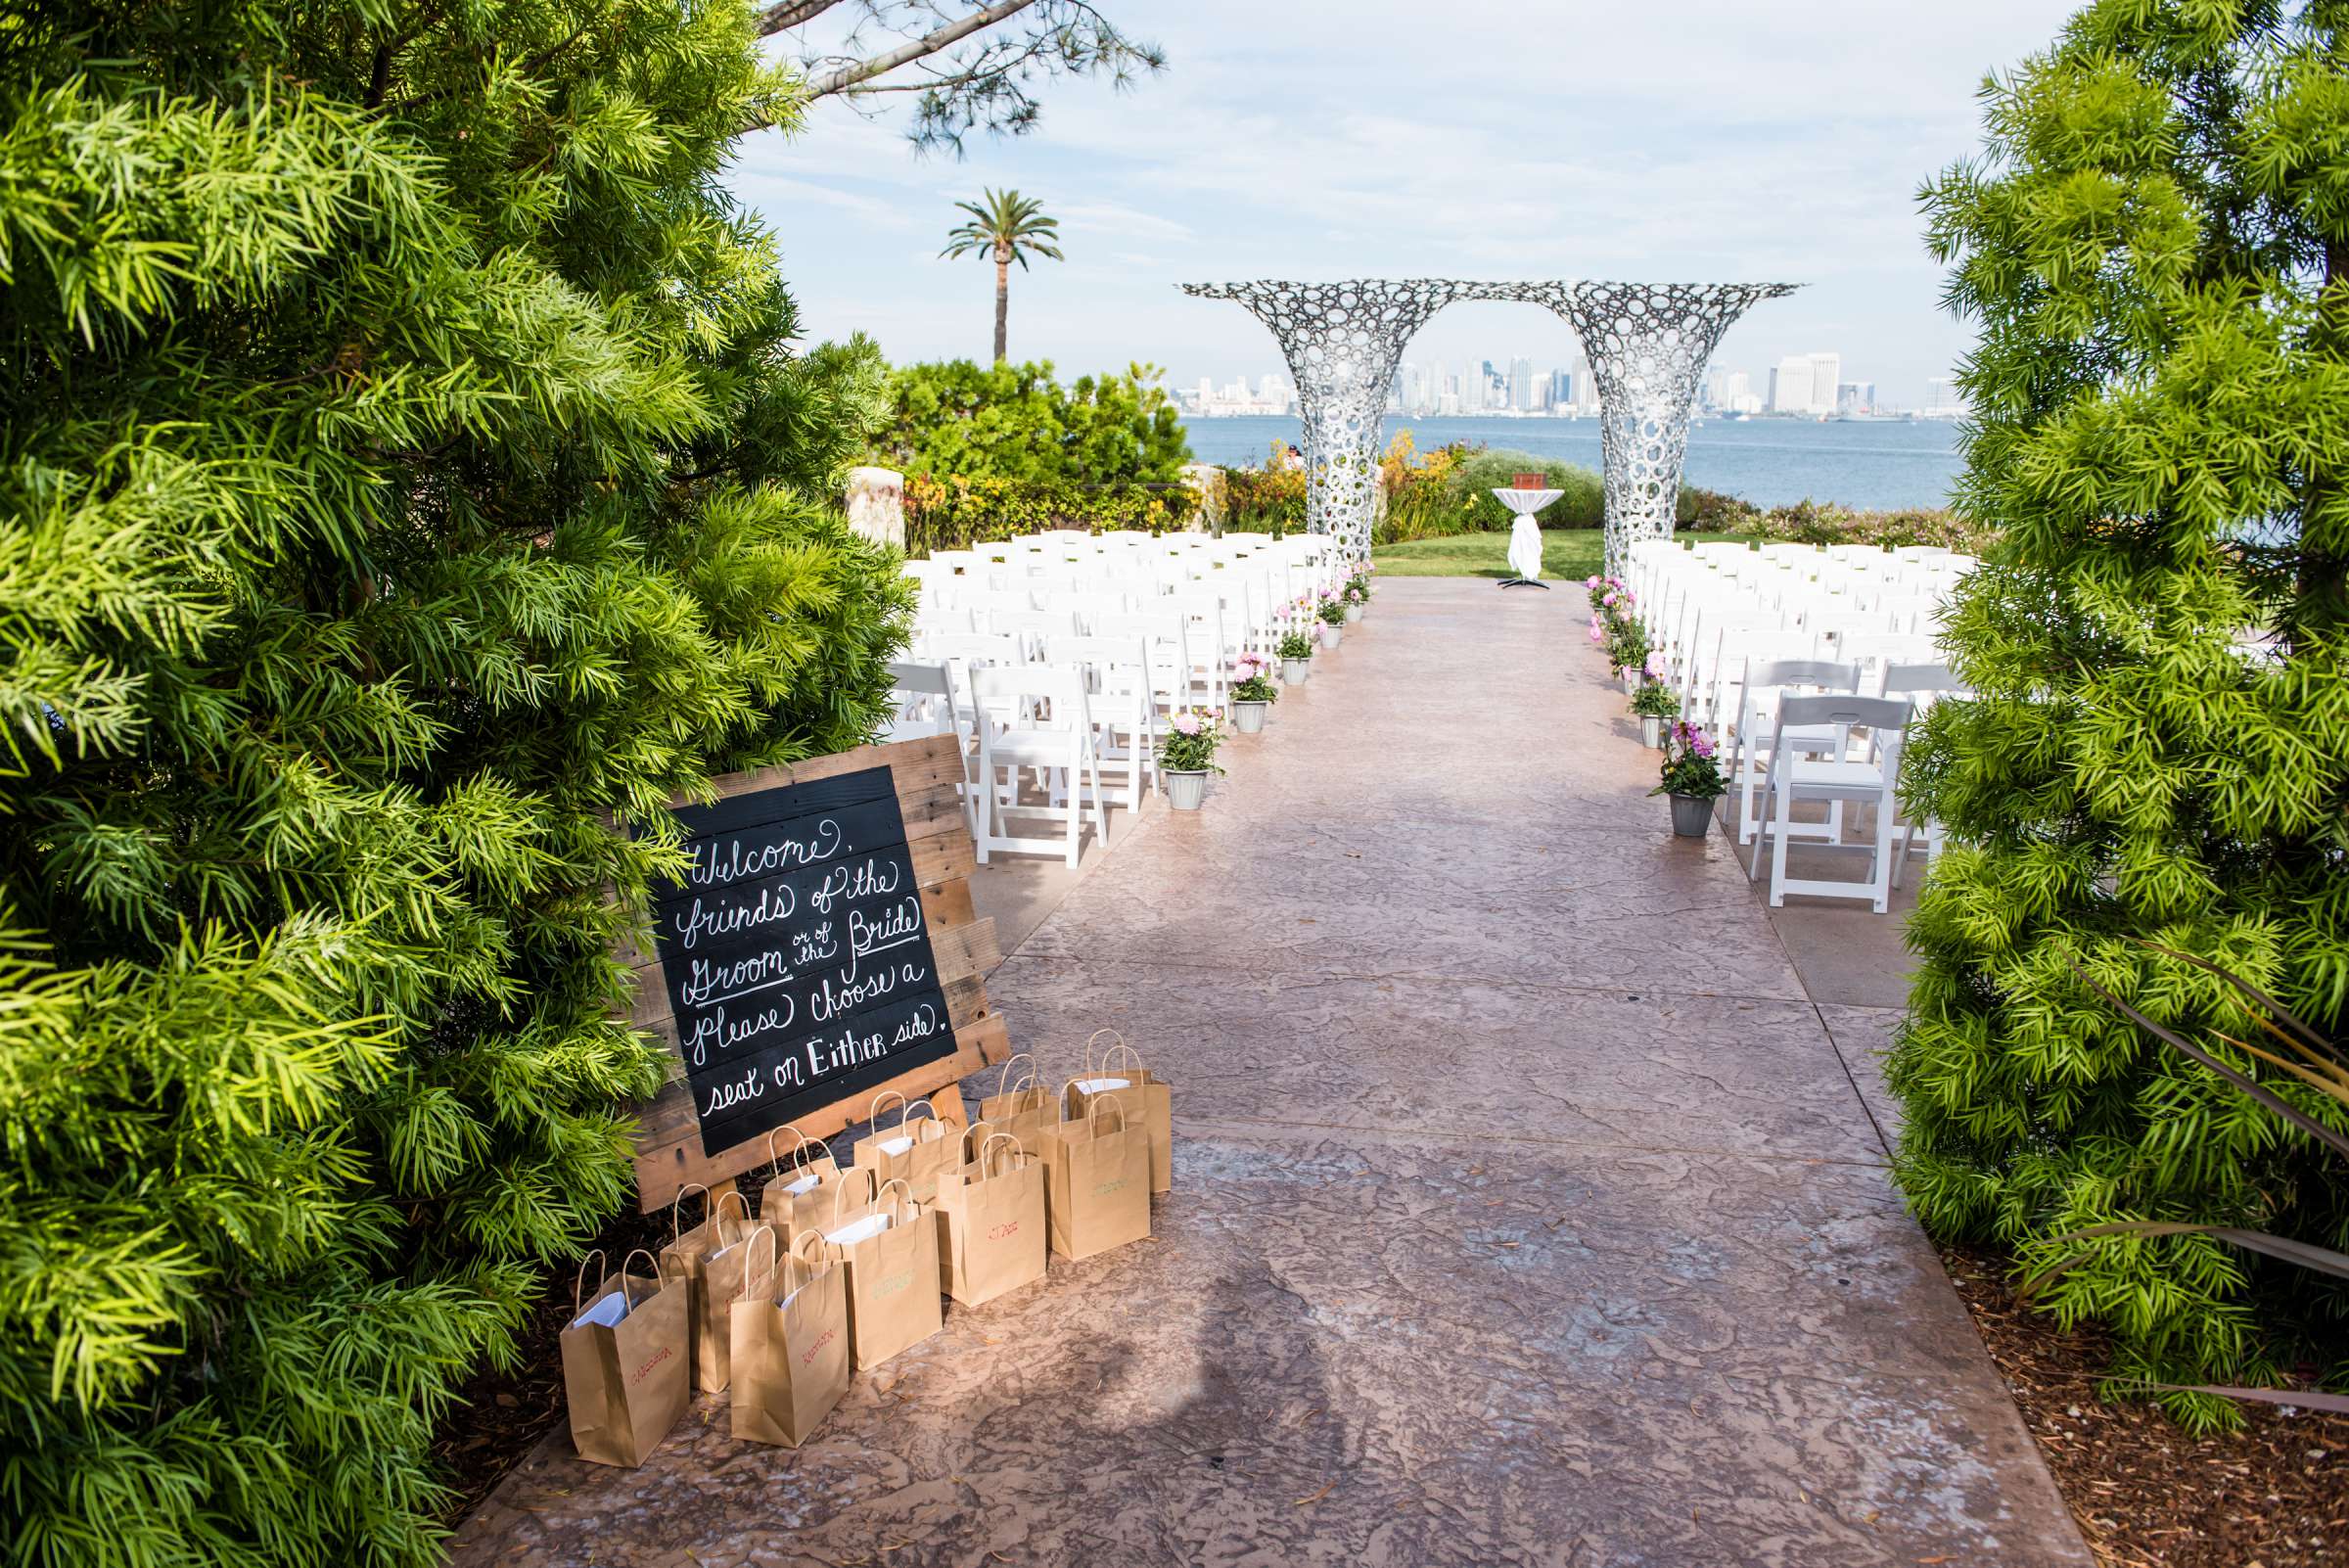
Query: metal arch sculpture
(1342, 341)
(1648, 345)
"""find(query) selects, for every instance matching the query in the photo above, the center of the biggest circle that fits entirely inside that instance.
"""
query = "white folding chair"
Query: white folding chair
(1121, 700)
(1767, 684)
(1795, 776)
(926, 705)
(1034, 716)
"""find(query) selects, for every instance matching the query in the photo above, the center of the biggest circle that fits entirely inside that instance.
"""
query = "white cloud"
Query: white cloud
(1333, 138)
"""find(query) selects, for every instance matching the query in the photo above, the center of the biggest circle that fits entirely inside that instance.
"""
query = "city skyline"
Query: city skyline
(1804, 385)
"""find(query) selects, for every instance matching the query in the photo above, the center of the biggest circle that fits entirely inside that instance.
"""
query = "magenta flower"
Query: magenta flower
(1608, 601)
(1591, 582)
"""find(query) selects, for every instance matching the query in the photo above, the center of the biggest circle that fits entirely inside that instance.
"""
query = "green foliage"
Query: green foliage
(1265, 500)
(401, 468)
(1295, 645)
(1817, 523)
(955, 421)
(1469, 487)
(1689, 767)
(2156, 249)
(1655, 700)
(954, 514)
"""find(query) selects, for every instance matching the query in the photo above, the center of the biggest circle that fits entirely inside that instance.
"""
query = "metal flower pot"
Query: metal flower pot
(1248, 718)
(1185, 789)
(1331, 635)
(1294, 670)
(1353, 613)
(1651, 730)
(1691, 815)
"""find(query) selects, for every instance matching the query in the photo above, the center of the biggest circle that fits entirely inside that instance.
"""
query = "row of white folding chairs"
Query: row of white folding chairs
(1204, 641)
(1069, 721)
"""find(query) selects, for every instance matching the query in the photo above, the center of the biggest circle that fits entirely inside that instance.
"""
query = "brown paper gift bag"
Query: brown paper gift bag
(891, 1269)
(710, 1257)
(790, 1333)
(991, 1222)
(1123, 1074)
(914, 1153)
(799, 1198)
(626, 1360)
(1097, 1180)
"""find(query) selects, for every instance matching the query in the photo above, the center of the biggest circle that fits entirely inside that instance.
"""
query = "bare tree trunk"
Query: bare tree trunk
(1003, 300)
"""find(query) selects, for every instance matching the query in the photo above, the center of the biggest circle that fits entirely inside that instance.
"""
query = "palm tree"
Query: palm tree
(1007, 226)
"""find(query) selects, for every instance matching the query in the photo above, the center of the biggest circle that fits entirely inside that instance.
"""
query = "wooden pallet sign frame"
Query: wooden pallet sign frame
(673, 1146)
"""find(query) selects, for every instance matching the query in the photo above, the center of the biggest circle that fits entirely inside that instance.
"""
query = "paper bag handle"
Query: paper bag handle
(1004, 1084)
(872, 1193)
(798, 1151)
(904, 1194)
(676, 1225)
(1135, 1057)
(647, 1256)
(717, 1214)
(750, 1260)
(1088, 1048)
(993, 1138)
(804, 1238)
(1093, 1108)
(579, 1280)
(875, 1108)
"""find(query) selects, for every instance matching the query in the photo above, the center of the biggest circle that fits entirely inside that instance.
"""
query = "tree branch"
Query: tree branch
(793, 14)
(930, 43)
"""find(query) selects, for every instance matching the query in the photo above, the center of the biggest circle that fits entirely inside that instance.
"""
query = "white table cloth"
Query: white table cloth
(1525, 535)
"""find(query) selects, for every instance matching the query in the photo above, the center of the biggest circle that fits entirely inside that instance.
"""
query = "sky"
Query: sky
(1698, 141)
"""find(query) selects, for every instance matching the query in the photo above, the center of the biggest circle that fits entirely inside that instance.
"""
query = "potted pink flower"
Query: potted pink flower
(1186, 755)
(1691, 776)
(1252, 692)
(1332, 614)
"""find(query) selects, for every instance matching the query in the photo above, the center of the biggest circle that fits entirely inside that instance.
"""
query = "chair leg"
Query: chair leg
(1785, 820)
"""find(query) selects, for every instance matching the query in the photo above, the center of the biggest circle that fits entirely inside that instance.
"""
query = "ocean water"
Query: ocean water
(1770, 462)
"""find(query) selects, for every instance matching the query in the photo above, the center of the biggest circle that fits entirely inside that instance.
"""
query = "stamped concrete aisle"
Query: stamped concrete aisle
(1525, 1210)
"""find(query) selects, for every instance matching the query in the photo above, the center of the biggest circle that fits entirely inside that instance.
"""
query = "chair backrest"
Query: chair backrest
(1921, 683)
(1822, 673)
(925, 700)
(1884, 716)
(1011, 695)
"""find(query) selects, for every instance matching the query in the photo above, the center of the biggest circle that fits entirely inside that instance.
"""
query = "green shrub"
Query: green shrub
(2160, 746)
(387, 492)
(959, 419)
(1263, 500)
(952, 514)
(1811, 522)
(1470, 486)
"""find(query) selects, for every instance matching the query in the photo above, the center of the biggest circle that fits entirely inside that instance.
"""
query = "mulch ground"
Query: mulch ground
(2146, 1493)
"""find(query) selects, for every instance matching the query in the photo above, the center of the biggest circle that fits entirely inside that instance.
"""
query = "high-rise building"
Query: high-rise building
(1826, 380)
(1521, 384)
(1561, 391)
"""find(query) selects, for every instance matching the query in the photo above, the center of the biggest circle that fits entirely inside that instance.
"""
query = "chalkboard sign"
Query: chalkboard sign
(795, 954)
(821, 947)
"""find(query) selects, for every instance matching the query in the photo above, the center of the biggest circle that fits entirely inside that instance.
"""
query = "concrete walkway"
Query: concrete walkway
(1526, 1210)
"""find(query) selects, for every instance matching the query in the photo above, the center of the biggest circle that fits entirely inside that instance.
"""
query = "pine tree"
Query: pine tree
(405, 466)
(2155, 245)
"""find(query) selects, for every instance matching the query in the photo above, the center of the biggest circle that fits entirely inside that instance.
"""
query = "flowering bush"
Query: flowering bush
(1689, 767)
(1655, 700)
(1255, 681)
(1190, 742)
(1357, 588)
(1331, 609)
(1295, 645)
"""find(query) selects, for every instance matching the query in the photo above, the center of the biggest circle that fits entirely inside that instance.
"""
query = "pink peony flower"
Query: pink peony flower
(1186, 723)
(1591, 582)
(1608, 601)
